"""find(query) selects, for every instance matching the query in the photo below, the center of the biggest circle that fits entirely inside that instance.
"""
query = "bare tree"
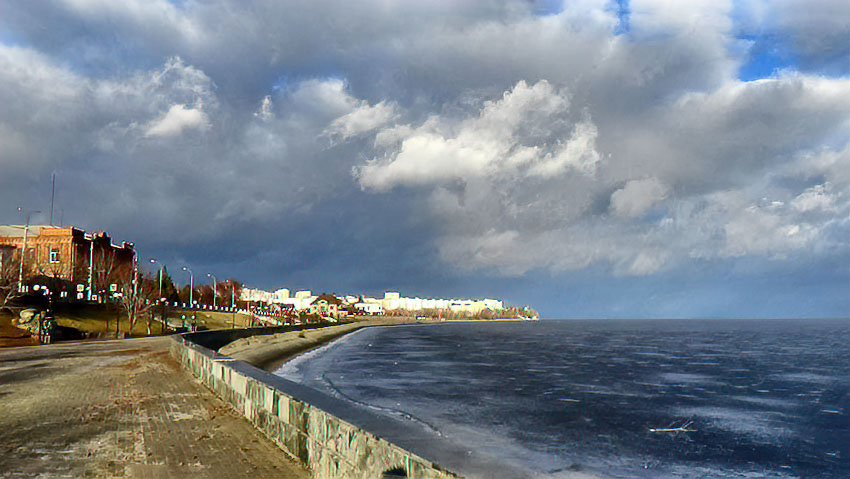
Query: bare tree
(138, 296)
(206, 293)
(10, 264)
(229, 291)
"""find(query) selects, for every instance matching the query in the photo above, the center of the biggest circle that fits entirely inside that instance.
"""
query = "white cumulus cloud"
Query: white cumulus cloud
(637, 196)
(527, 132)
(363, 119)
(177, 119)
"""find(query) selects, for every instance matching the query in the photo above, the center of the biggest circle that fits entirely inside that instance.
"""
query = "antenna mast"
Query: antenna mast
(52, 197)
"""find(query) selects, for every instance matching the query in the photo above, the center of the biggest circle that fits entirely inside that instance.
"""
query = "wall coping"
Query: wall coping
(412, 439)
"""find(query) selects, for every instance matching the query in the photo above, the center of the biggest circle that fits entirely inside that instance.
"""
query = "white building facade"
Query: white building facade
(392, 301)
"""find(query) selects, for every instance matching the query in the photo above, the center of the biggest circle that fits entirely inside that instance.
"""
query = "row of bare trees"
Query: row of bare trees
(112, 278)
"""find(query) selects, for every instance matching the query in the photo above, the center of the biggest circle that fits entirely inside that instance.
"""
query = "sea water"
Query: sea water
(610, 398)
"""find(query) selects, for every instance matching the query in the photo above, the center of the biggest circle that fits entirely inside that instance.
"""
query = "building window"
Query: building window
(54, 255)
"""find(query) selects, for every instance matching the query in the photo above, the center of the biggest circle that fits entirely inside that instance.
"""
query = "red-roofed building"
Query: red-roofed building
(326, 305)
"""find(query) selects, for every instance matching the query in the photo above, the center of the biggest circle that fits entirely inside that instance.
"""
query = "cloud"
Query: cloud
(698, 17)
(763, 230)
(365, 118)
(644, 263)
(177, 119)
(501, 140)
(265, 111)
(524, 132)
(525, 182)
(637, 196)
(816, 198)
(813, 33)
(578, 153)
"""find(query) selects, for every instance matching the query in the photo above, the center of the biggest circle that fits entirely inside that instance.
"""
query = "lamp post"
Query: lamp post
(24, 249)
(135, 302)
(215, 287)
(191, 284)
(159, 298)
(233, 304)
(154, 261)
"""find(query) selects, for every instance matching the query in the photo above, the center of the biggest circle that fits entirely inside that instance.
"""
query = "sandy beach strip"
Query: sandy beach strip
(270, 351)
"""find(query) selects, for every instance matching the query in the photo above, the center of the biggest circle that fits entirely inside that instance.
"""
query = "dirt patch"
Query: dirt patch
(10, 336)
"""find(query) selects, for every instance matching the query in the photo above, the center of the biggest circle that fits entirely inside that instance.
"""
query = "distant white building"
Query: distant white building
(300, 301)
(393, 301)
(256, 295)
(281, 295)
(370, 308)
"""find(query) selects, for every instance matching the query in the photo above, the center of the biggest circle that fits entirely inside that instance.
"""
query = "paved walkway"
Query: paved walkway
(121, 409)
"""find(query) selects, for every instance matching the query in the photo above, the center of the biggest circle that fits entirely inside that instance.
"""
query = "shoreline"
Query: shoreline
(269, 352)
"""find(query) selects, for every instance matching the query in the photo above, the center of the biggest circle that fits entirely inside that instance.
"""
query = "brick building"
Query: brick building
(64, 253)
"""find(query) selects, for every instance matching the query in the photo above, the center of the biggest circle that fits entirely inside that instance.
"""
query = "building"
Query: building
(255, 296)
(280, 295)
(67, 254)
(326, 305)
(371, 309)
(394, 301)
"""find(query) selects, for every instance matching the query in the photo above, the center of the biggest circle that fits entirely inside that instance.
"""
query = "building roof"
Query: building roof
(18, 230)
(331, 299)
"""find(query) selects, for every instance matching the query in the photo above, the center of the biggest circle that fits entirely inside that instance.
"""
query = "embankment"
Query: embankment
(331, 438)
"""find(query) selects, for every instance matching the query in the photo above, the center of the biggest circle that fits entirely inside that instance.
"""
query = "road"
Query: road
(122, 408)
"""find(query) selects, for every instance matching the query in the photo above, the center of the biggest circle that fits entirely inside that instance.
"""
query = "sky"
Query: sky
(590, 158)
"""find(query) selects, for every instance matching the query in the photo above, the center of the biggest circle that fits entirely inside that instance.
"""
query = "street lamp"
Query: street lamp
(215, 287)
(154, 261)
(191, 284)
(159, 298)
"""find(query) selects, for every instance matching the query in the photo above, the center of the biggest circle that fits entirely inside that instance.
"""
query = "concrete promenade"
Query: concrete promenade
(122, 408)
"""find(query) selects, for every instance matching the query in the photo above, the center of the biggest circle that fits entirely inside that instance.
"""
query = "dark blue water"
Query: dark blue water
(561, 399)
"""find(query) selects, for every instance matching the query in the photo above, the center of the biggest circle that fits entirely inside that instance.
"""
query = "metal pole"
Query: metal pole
(191, 284)
(52, 197)
(135, 303)
(159, 298)
(91, 264)
(23, 256)
(153, 260)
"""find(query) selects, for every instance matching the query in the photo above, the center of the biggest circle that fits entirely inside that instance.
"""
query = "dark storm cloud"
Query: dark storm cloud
(375, 144)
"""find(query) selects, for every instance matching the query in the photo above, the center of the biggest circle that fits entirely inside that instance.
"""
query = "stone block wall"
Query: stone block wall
(330, 447)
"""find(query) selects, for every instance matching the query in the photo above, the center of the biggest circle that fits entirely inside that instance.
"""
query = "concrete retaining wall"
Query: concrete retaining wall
(316, 429)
